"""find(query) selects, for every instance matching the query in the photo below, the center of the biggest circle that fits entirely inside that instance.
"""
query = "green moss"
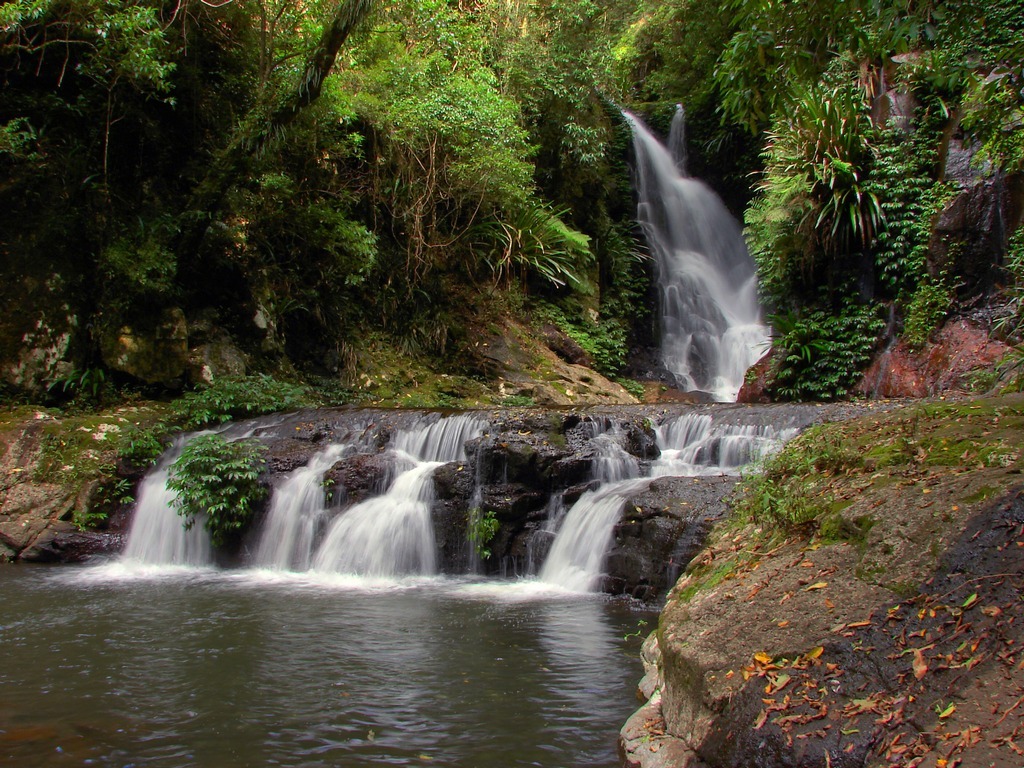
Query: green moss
(704, 579)
(905, 589)
(556, 436)
(982, 494)
(834, 528)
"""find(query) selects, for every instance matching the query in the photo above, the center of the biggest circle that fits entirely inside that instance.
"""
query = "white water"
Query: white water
(157, 536)
(692, 445)
(711, 329)
(297, 510)
(392, 535)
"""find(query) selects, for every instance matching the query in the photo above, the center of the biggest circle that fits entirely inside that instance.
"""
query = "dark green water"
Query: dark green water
(108, 667)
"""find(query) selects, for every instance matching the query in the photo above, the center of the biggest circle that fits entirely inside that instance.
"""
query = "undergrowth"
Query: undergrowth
(244, 397)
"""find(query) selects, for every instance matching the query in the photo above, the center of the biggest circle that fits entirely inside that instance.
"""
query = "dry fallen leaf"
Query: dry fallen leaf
(920, 665)
(816, 585)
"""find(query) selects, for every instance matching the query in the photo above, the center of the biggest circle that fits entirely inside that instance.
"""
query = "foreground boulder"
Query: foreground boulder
(892, 637)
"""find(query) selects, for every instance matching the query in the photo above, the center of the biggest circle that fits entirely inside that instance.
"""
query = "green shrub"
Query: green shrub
(902, 179)
(1011, 324)
(928, 307)
(142, 446)
(228, 399)
(534, 240)
(786, 493)
(635, 388)
(823, 354)
(603, 340)
(813, 200)
(218, 482)
(483, 527)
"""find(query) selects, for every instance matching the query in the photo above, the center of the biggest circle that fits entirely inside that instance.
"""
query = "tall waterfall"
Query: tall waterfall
(157, 536)
(392, 534)
(711, 331)
(691, 445)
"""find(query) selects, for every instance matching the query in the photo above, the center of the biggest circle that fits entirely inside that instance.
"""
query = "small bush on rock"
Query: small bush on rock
(217, 482)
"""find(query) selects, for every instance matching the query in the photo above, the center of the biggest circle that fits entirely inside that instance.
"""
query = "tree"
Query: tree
(267, 124)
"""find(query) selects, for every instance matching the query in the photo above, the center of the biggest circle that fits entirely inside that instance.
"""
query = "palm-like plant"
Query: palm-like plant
(822, 140)
(534, 240)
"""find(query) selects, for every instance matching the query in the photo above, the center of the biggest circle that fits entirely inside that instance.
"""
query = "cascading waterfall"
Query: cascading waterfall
(157, 536)
(297, 510)
(577, 552)
(692, 445)
(392, 535)
(711, 331)
(677, 142)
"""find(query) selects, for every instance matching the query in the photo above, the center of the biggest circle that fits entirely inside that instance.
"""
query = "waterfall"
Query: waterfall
(677, 142)
(692, 445)
(157, 536)
(711, 331)
(612, 463)
(392, 535)
(297, 510)
(578, 552)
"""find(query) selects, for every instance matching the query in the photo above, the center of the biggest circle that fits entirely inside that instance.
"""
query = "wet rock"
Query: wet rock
(454, 482)
(755, 384)
(961, 347)
(155, 352)
(360, 476)
(661, 530)
(970, 233)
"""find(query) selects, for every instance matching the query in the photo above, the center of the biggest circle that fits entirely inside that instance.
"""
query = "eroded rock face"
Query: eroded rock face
(970, 234)
(959, 348)
(33, 512)
(37, 329)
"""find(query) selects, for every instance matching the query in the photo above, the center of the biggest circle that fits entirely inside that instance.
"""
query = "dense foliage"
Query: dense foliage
(305, 177)
(228, 399)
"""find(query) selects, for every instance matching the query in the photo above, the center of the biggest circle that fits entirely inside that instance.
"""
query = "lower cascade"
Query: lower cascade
(157, 536)
(402, 529)
(689, 446)
(297, 509)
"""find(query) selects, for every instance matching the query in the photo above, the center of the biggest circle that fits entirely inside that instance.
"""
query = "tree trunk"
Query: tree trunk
(259, 128)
